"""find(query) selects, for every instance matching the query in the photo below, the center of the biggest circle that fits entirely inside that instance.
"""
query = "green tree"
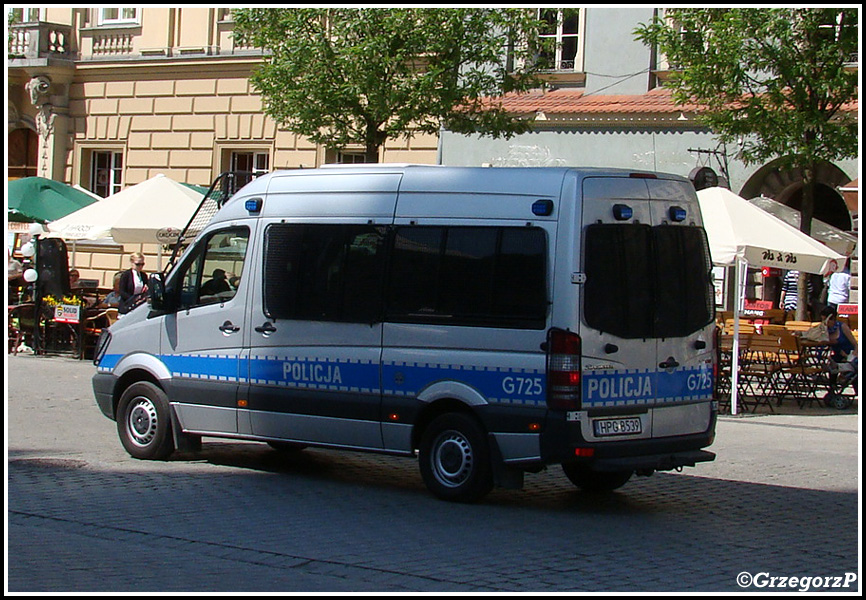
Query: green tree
(773, 82)
(340, 76)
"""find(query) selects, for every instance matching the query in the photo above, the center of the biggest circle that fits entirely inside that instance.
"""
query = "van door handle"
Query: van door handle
(229, 327)
(670, 363)
(266, 328)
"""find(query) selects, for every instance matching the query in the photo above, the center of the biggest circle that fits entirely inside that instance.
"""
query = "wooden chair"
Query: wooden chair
(724, 380)
(746, 326)
(799, 325)
(776, 316)
(93, 326)
(773, 329)
(21, 321)
(799, 374)
(760, 369)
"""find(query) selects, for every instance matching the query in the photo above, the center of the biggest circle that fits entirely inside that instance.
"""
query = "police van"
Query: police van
(488, 321)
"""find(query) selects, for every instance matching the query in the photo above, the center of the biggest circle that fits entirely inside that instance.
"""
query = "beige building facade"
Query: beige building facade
(105, 98)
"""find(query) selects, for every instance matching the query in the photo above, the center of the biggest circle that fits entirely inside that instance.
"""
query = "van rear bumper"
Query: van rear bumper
(653, 462)
(562, 443)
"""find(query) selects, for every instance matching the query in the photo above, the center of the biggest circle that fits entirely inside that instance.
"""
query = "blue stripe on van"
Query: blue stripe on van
(497, 385)
(304, 373)
(636, 387)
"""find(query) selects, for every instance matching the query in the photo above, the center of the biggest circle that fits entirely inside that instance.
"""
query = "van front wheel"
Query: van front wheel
(595, 481)
(144, 422)
(455, 458)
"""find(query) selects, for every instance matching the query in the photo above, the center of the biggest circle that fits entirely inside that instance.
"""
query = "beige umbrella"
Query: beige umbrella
(154, 211)
(742, 235)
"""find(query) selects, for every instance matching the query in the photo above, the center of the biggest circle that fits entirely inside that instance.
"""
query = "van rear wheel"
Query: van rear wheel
(455, 458)
(595, 481)
(144, 422)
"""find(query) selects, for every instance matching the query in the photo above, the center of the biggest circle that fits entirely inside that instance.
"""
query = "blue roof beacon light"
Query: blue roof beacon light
(542, 208)
(253, 204)
(677, 213)
(622, 212)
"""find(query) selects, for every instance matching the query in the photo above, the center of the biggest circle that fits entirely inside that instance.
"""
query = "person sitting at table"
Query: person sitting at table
(113, 298)
(842, 341)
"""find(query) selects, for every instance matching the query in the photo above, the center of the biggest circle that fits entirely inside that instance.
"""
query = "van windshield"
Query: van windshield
(647, 282)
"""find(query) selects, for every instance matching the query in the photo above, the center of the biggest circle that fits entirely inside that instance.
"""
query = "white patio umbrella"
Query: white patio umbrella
(742, 235)
(840, 241)
(154, 211)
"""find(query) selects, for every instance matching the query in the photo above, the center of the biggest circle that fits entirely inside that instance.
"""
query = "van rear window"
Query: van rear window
(647, 282)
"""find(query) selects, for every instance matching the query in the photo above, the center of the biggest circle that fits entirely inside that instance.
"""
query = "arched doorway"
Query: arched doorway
(23, 144)
(786, 186)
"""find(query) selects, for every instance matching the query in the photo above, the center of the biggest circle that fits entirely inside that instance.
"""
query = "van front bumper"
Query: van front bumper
(103, 389)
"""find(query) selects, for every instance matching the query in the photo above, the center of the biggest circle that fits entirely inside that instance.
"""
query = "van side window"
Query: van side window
(647, 282)
(213, 273)
(324, 272)
(472, 276)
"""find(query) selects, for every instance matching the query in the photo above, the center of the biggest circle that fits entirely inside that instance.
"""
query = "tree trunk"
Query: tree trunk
(807, 209)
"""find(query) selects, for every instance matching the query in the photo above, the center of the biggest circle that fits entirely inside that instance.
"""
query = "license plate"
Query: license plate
(622, 426)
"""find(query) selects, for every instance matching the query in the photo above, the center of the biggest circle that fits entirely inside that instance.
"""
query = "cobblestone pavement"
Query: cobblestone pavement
(780, 501)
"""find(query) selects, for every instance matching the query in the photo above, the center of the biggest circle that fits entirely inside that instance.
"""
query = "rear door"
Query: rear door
(685, 309)
(645, 300)
(619, 353)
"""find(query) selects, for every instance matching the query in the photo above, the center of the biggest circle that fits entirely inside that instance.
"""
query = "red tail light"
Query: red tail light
(563, 370)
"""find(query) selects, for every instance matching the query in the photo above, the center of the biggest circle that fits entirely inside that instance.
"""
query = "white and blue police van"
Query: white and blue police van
(488, 321)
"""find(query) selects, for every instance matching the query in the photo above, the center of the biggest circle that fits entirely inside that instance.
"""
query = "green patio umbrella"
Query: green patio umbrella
(40, 200)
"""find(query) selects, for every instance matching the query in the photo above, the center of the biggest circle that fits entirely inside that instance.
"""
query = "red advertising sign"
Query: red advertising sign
(758, 305)
(847, 309)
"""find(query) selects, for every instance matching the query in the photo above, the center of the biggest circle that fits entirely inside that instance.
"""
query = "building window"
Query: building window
(23, 151)
(106, 172)
(117, 16)
(351, 158)
(23, 15)
(252, 162)
(247, 166)
(562, 31)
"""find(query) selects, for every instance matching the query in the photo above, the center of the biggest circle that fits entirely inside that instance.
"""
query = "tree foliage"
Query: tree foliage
(342, 76)
(772, 80)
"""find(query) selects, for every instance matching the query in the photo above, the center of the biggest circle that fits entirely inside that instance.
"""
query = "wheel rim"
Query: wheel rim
(452, 459)
(142, 422)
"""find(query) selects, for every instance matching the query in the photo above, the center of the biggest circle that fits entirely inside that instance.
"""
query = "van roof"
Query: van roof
(408, 178)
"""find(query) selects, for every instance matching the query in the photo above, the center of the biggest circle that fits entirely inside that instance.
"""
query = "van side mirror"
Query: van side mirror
(159, 302)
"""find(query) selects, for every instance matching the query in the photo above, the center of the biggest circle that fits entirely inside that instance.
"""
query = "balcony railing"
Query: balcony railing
(40, 40)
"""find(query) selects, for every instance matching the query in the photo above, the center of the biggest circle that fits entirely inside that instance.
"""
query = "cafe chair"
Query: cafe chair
(93, 326)
(21, 319)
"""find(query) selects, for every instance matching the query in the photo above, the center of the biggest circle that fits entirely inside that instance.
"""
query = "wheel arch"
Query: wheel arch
(438, 407)
(129, 378)
(443, 397)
